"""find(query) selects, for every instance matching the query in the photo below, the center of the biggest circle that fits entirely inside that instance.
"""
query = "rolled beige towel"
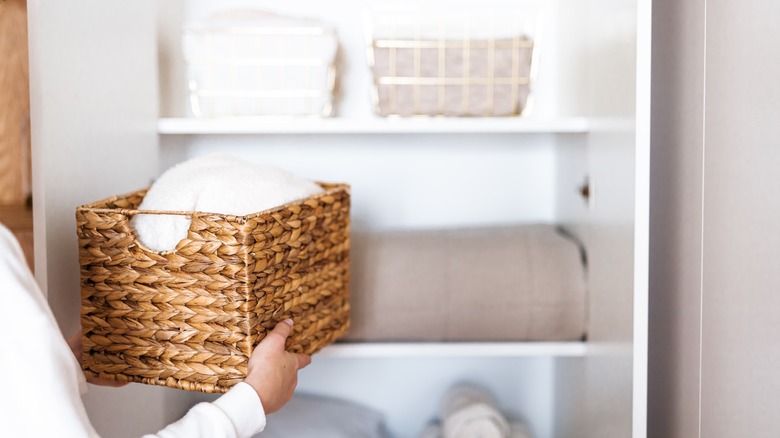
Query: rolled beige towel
(469, 412)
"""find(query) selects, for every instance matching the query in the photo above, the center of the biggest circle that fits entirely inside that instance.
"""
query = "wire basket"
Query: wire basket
(252, 63)
(452, 61)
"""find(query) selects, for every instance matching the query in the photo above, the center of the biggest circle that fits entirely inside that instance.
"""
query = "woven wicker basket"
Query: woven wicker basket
(189, 318)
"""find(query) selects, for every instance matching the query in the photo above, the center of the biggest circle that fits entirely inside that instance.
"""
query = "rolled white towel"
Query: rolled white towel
(469, 412)
(516, 430)
(213, 184)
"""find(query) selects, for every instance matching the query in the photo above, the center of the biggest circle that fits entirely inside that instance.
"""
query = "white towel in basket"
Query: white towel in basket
(214, 184)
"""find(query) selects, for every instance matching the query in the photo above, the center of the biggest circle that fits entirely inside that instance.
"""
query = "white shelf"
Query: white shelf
(455, 349)
(510, 125)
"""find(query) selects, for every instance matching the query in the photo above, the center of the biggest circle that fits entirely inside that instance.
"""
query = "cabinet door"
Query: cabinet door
(613, 223)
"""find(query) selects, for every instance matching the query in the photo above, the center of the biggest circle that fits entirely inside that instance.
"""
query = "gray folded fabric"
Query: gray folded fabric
(513, 283)
(311, 416)
(516, 430)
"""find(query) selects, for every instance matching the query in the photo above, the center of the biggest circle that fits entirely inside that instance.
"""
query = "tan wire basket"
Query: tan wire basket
(254, 64)
(452, 60)
(190, 318)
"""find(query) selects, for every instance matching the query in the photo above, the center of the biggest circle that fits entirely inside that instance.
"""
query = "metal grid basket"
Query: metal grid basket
(252, 63)
(452, 61)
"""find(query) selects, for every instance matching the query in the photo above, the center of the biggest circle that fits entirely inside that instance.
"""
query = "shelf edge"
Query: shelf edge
(191, 126)
(455, 349)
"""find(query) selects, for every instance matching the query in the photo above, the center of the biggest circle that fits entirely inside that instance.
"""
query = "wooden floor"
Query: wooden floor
(14, 103)
(15, 124)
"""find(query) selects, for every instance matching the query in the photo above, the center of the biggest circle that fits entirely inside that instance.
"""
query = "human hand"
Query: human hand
(76, 344)
(273, 372)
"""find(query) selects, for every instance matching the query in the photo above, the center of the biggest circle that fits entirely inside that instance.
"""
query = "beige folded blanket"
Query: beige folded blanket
(488, 284)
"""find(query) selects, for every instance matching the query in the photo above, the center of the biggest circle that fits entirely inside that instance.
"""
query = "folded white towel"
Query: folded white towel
(214, 184)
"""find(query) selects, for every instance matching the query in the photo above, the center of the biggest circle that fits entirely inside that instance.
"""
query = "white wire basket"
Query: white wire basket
(453, 60)
(254, 63)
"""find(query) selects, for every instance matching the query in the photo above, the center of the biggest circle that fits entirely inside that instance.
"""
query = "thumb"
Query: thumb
(302, 359)
(281, 331)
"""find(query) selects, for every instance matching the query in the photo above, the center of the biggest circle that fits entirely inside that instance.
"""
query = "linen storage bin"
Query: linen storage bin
(467, 61)
(254, 63)
(189, 318)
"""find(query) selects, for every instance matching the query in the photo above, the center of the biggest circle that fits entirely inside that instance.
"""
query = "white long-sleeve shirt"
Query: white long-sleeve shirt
(43, 382)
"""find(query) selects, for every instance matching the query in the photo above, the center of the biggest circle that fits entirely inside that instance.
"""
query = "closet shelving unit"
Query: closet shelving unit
(345, 126)
(587, 124)
(125, 120)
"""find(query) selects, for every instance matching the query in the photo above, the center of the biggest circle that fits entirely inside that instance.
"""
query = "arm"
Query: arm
(43, 385)
(237, 413)
(269, 384)
(47, 380)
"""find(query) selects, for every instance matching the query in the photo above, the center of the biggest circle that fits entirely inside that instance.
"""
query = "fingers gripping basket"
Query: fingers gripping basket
(189, 318)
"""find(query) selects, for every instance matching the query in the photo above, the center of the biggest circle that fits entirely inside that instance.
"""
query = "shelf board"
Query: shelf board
(509, 125)
(455, 349)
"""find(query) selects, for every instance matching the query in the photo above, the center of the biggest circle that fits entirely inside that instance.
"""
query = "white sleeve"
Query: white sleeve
(236, 414)
(42, 396)
(42, 388)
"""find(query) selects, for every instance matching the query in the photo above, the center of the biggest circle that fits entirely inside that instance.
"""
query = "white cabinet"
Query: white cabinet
(591, 120)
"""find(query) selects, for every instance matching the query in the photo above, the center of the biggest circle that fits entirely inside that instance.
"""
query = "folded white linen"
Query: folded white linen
(256, 63)
(213, 184)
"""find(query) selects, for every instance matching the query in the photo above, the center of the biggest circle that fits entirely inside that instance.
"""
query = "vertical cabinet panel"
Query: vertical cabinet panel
(741, 248)
(676, 218)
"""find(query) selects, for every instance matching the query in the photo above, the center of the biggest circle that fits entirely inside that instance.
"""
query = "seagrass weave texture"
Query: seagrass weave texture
(189, 318)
